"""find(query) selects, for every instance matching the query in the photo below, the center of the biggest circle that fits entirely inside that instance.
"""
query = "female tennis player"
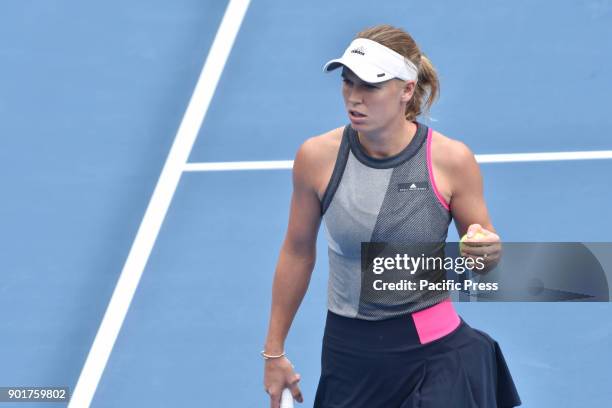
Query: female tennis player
(385, 177)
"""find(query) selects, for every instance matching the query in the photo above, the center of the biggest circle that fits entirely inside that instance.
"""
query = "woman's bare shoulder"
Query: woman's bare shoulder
(317, 157)
(329, 140)
(449, 153)
(323, 147)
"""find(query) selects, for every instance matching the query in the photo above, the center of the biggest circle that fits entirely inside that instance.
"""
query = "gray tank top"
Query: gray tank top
(368, 199)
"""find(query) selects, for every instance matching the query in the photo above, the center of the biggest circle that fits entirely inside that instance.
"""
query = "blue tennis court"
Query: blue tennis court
(121, 176)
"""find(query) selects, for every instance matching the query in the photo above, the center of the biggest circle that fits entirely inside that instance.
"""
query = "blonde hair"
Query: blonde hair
(428, 87)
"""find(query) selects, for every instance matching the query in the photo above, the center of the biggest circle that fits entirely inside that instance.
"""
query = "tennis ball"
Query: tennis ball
(478, 235)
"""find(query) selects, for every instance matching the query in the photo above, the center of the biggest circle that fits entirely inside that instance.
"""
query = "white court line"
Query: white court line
(240, 165)
(546, 156)
(480, 158)
(158, 206)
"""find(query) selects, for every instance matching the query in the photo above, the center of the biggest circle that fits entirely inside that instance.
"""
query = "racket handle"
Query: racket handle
(286, 399)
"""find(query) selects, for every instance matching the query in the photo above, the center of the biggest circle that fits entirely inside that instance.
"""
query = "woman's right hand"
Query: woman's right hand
(278, 375)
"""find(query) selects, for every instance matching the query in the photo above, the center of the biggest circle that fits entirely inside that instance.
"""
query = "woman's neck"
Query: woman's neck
(389, 141)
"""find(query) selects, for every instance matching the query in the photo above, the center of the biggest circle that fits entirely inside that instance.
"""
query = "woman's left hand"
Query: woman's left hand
(481, 243)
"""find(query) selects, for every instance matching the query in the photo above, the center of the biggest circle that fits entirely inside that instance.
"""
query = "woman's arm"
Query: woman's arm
(467, 200)
(469, 209)
(298, 252)
(294, 269)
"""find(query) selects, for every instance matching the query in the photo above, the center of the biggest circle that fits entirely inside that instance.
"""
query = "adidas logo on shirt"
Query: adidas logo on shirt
(413, 186)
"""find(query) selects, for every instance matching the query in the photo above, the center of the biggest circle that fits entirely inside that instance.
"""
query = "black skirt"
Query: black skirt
(382, 364)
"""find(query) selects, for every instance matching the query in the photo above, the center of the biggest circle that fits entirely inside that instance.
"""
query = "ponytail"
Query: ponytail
(426, 91)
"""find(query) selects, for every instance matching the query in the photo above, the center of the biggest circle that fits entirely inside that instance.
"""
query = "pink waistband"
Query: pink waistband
(436, 321)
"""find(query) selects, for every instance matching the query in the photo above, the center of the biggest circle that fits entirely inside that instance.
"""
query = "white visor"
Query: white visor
(373, 62)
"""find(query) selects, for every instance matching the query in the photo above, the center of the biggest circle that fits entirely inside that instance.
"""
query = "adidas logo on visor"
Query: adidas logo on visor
(360, 51)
